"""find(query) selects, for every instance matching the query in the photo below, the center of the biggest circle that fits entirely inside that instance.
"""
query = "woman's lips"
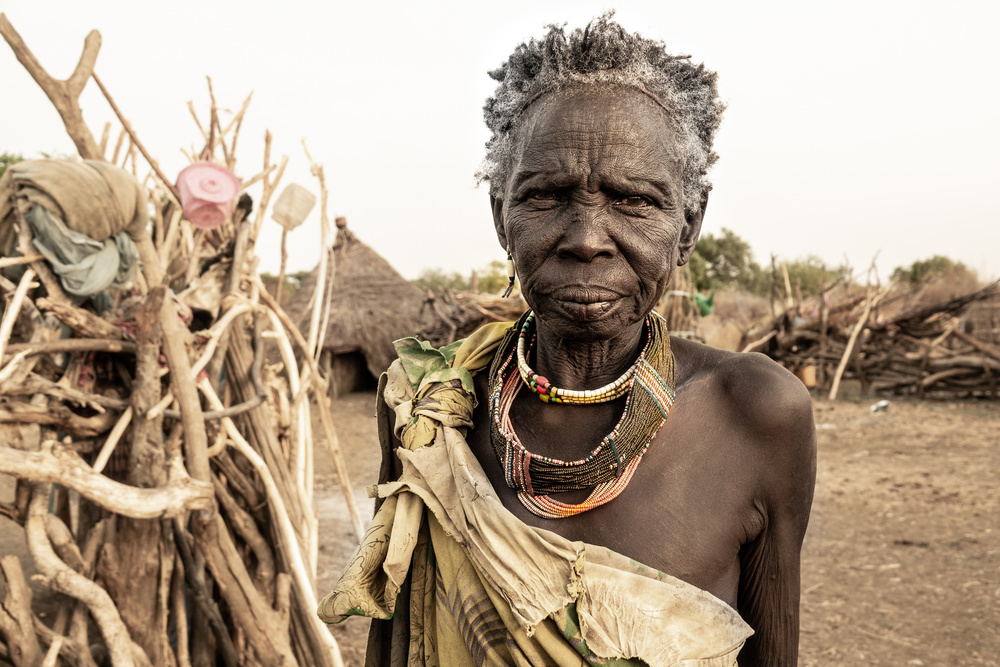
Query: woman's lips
(584, 303)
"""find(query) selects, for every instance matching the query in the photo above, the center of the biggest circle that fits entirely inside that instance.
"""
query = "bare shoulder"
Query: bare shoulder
(760, 396)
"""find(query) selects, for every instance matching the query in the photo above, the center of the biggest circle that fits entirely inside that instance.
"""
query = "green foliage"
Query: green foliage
(932, 268)
(438, 280)
(725, 260)
(811, 274)
(293, 281)
(8, 159)
(492, 279)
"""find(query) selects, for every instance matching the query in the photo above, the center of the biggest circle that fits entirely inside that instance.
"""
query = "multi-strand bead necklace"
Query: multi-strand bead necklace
(609, 467)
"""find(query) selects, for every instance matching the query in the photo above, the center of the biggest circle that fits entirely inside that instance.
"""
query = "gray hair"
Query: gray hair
(604, 52)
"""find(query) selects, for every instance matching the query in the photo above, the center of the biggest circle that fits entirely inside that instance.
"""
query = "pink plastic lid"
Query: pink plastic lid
(207, 192)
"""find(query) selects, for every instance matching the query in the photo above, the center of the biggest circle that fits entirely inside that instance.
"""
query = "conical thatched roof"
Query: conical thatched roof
(371, 304)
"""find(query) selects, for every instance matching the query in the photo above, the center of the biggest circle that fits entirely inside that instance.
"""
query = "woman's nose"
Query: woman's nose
(586, 235)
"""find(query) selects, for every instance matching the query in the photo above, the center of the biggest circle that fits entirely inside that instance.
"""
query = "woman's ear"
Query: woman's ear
(497, 205)
(692, 230)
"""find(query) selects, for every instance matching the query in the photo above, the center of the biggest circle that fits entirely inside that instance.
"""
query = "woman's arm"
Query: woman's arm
(768, 596)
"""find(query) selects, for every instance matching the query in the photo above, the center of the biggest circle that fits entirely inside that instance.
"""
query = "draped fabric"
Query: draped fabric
(83, 217)
(456, 579)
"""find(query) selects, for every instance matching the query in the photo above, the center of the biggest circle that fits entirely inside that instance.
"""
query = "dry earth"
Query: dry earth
(901, 564)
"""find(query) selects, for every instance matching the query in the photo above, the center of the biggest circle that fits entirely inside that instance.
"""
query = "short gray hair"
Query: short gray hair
(604, 52)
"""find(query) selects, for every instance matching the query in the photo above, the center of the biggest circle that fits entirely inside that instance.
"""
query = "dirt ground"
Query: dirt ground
(901, 564)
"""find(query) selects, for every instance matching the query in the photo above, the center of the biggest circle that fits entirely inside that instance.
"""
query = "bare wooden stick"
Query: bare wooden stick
(294, 552)
(59, 464)
(173, 229)
(259, 176)
(322, 304)
(284, 259)
(57, 416)
(65, 94)
(246, 527)
(27, 247)
(135, 140)
(201, 598)
(104, 139)
(83, 322)
(178, 602)
(13, 308)
(17, 261)
(73, 345)
(36, 384)
(215, 333)
(16, 622)
(862, 321)
(118, 145)
(300, 437)
(195, 437)
(113, 437)
(12, 366)
(52, 655)
(63, 579)
(332, 441)
(238, 119)
(197, 122)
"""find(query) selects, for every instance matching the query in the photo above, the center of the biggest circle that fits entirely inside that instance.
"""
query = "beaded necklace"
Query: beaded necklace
(609, 467)
(549, 393)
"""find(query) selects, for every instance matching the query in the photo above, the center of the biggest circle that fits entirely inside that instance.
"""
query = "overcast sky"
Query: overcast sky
(852, 127)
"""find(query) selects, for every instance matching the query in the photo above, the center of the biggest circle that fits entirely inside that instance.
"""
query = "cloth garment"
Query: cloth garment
(84, 217)
(456, 579)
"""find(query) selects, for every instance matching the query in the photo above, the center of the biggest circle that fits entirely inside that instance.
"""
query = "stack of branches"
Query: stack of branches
(451, 315)
(921, 350)
(164, 472)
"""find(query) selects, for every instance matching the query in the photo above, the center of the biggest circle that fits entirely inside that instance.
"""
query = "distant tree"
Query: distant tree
(438, 280)
(8, 159)
(293, 281)
(725, 260)
(492, 278)
(810, 273)
(932, 268)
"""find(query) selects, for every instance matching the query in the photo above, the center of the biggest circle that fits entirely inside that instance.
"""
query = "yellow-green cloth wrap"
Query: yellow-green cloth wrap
(442, 381)
(458, 580)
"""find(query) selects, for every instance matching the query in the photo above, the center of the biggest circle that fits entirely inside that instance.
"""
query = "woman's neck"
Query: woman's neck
(572, 364)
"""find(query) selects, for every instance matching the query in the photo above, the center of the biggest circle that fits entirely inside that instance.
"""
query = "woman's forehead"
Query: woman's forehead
(584, 124)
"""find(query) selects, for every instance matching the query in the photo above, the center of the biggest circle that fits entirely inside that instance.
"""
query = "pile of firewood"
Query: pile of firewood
(164, 471)
(921, 350)
(452, 315)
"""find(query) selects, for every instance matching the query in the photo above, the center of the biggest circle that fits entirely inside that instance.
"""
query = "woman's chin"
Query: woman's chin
(600, 320)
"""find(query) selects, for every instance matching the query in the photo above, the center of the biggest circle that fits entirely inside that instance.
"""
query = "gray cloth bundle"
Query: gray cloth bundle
(83, 217)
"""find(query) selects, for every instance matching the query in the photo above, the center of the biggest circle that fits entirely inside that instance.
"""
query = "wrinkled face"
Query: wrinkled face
(593, 210)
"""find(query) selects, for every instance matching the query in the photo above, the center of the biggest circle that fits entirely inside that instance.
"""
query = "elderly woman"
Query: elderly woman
(579, 487)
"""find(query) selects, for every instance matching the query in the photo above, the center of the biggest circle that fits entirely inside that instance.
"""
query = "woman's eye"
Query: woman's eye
(633, 201)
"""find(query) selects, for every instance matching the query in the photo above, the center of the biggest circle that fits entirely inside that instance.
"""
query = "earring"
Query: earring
(510, 274)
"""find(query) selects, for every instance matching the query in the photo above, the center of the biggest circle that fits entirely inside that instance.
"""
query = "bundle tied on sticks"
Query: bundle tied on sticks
(163, 469)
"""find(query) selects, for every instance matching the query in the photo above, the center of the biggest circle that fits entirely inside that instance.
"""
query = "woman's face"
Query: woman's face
(593, 210)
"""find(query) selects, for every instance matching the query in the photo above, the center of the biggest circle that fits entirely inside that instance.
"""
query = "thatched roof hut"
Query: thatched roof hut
(371, 305)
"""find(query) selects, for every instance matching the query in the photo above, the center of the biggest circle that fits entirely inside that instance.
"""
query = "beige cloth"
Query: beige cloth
(91, 197)
(466, 583)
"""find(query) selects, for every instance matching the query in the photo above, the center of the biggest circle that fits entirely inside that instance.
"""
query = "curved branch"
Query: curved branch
(73, 345)
(64, 466)
(64, 95)
(64, 579)
(85, 67)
